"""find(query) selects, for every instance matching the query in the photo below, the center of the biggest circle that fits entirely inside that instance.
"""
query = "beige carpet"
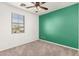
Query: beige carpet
(39, 48)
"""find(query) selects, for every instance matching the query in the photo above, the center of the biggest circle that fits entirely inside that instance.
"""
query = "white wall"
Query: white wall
(8, 40)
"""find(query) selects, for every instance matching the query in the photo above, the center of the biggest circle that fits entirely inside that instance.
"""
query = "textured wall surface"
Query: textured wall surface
(60, 26)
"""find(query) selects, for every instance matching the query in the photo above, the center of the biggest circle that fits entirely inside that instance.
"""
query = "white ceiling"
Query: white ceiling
(52, 6)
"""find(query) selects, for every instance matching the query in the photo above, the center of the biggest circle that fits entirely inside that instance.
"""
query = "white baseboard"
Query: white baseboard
(59, 45)
(17, 45)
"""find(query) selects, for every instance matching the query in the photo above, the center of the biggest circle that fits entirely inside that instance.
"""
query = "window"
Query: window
(17, 23)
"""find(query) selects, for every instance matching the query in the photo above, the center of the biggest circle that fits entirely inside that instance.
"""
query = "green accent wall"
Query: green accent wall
(60, 26)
